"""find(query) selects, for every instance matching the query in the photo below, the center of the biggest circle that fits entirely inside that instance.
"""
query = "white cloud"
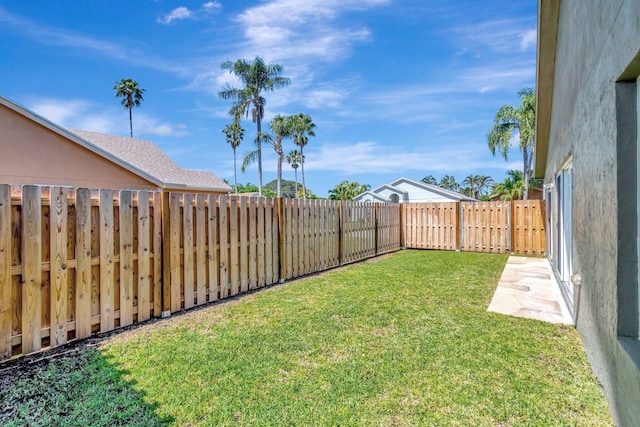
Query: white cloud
(528, 39)
(176, 14)
(501, 36)
(368, 157)
(150, 126)
(58, 111)
(85, 115)
(183, 12)
(212, 6)
(294, 29)
(323, 98)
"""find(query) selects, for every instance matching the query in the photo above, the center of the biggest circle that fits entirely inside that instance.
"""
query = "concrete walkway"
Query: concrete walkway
(528, 288)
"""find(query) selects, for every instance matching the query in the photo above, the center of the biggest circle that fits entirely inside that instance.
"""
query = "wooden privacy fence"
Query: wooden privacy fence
(75, 262)
(498, 227)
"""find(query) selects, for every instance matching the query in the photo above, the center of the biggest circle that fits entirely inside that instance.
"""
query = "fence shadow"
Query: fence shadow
(79, 387)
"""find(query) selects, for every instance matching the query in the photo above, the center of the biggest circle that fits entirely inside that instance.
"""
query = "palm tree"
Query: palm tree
(509, 119)
(472, 182)
(257, 77)
(295, 158)
(430, 179)
(131, 95)
(302, 128)
(347, 190)
(251, 157)
(281, 128)
(513, 186)
(448, 182)
(485, 183)
(234, 134)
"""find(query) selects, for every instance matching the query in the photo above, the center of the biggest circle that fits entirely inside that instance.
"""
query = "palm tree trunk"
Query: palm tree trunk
(235, 172)
(259, 141)
(279, 186)
(304, 188)
(130, 123)
(295, 171)
(527, 172)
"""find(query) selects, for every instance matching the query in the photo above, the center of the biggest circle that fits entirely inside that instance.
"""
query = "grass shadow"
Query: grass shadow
(81, 388)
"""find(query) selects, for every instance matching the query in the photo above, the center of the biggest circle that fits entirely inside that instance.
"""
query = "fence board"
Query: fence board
(275, 241)
(212, 243)
(32, 274)
(157, 254)
(107, 265)
(174, 243)
(268, 236)
(261, 242)
(58, 270)
(83, 264)
(224, 246)
(253, 244)
(287, 207)
(126, 258)
(244, 245)
(187, 244)
(201, 250)
(234, 236)
(144, 260)
(5, 272)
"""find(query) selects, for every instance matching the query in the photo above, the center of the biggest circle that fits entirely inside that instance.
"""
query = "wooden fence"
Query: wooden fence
(75, 262)
(78, 262)
(496, 227)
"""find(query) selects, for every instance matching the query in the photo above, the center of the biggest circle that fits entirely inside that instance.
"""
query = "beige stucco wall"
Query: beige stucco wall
(32, 154)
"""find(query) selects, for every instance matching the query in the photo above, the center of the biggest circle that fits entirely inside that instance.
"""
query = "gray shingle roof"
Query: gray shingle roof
(148, 157)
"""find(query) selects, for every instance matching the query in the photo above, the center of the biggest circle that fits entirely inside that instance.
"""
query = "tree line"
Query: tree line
(258, 77)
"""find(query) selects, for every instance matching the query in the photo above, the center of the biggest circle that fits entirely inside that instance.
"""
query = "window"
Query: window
(563, 233)
(628, 185)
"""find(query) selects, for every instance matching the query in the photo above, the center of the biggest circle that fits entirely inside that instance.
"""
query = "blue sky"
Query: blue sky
(396, 87)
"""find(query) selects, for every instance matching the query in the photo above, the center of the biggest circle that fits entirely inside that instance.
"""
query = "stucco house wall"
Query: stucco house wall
(34, 150)
(33, 154)
(584, 113)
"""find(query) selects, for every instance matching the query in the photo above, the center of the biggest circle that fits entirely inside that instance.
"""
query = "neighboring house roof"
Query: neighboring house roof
(77, 139)
(405, 195)
(435, 189)
(142, 158)
(147, 156)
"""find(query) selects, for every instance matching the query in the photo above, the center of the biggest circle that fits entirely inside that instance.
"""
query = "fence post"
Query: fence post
(458, 227)
(376, 225)
(281, 243)
(5, 272)
(510, 226)
(340, 234)
(166, 257)
(401, 210)
(461, 236)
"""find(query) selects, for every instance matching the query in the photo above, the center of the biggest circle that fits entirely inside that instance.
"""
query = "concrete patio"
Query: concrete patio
(528, 288)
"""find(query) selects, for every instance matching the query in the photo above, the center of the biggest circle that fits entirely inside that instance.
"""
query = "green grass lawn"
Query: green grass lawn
(401, 340)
